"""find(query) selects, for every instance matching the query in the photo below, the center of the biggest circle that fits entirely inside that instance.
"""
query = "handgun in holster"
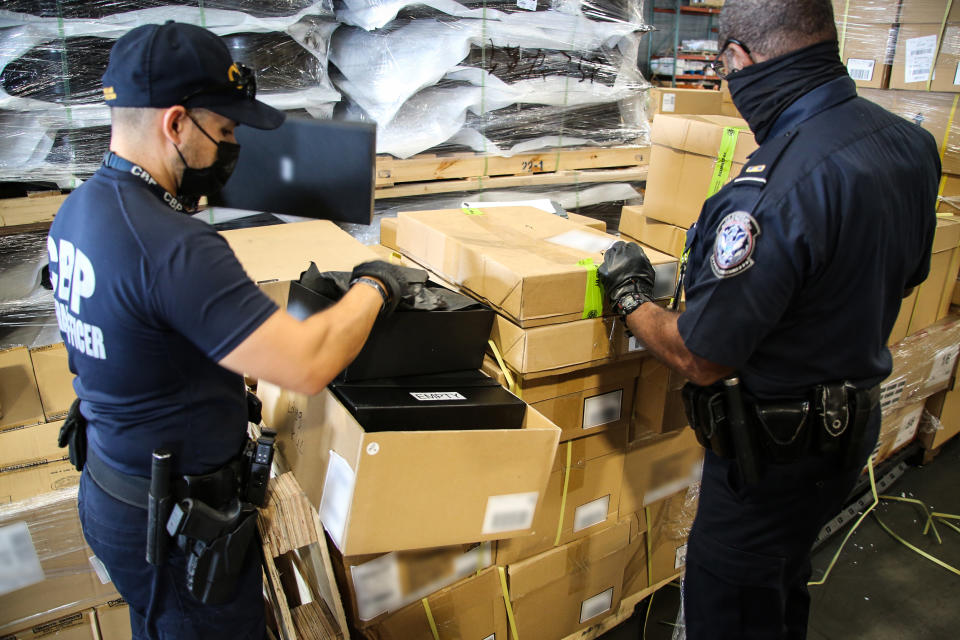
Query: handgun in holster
(73, 435)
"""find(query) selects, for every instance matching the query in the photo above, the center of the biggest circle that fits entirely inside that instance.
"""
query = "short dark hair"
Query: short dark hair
(774, 27)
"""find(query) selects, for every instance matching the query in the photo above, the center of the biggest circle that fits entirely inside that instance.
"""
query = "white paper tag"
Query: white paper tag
(592, 607)
(528, 5)
(19, 563)
(539, 203)
(943, 365)
(492, 636)
(671, 487)
(602, 409)
(509, 512)
(908, 429)
(477, 558)
(100, 569)
(956, 76)
(437, 396)
(583, 241)
(337, 497)
(591, 513)
(919, 58)
(680, 560)
(669, 103)
(860, 69)
(634, 344)
(377, 586)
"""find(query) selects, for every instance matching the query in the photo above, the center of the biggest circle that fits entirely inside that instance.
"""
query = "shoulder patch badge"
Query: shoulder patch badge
(734, 245)
(757, 168)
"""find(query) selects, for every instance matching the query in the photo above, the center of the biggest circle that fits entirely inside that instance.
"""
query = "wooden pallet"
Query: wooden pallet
(458, 166)
(294, 546)
(624, 612)
(32, 213)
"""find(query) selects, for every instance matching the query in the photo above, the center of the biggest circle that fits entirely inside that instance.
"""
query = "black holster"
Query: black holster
(73, 435)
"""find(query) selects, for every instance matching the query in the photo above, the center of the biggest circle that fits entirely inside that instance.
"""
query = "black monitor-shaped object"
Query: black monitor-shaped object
(310, 168)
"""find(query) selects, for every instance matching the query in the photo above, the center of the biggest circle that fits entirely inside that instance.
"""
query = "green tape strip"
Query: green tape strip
(470, 211)
(721, 170)
(203, 14)
(593, 296)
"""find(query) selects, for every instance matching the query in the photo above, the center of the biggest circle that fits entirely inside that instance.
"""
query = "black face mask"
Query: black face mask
(201, 182)
(763, 91)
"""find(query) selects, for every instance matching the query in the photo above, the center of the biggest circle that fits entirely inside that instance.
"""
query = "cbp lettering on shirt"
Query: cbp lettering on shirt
(74, 280)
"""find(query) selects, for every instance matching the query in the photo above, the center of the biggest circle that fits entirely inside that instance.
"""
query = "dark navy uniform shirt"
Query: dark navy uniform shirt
(797, 267)
(148, 301)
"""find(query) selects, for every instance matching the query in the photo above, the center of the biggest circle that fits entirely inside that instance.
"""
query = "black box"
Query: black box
(409, 343)
(459, 400)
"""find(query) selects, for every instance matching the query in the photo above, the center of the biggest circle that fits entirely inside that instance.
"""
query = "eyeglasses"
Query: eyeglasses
(719, 66)
(241, 79)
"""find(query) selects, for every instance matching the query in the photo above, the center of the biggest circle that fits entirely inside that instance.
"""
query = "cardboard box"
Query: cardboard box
(537, 388)
(921, 53)
(532, 266)
(934, 295)
(113, 620)
(901, 328)
(583, 495)
(75, 626)
(865, 12)
(284, 251)
(635, 573)
(905, 424)
(932, 111)
(928, 11)
(557, 349)
(569, 588)
(867, 53)
(389, 491)
(375, 585)
(472, 608)
(658, 407)
(923, 364)
(945, 407)
(30, 446)
(668, 526)
(663, 237)
(685, 152)
(684, 101)
(658, 468)
(54, 380)
(19, 398)
(53, 559)
(22, 483)
(949, 200)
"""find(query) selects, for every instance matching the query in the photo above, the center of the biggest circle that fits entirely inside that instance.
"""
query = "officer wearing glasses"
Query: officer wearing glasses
(794, 279)
(160, 321)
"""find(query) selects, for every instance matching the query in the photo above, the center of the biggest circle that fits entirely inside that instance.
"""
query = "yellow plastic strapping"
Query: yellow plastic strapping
(946, 136)
(943, 184)
(563, 496)
(511, 384)
(928, 524)
(843, 29)
(943, 30)
(433, 624)
(506, 601)
(921, 552)
(646, 513)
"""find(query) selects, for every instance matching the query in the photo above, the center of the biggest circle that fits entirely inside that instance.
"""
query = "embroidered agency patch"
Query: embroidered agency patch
(733, 248)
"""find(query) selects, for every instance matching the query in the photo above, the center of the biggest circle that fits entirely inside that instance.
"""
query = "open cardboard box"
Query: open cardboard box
(19, 398)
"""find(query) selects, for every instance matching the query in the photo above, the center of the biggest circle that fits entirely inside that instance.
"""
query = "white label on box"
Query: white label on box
(956, 76)
(602, 409)
(591, 513)
(919, 58)
(479, 557)
(592, 607)
(437, 396)
(100, 569)
(583, 241)
(377, 586)
(890, 393)
(529, 5)
(492, 636)
(908, 429)
(19, 563)
(543, 204)
(671, 487)
(509, 512)
(337, 497)
(860, 69)
(634, 344)
(669, 104)
(680, 560)
(943, 364)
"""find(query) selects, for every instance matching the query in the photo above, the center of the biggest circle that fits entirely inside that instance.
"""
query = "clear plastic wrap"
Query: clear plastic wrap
(865, 12)
(26, 306)
(97, 9)
(923, 364)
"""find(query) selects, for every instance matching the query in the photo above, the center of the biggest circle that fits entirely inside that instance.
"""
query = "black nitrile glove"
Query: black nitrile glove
(393, 278)
(627, 277)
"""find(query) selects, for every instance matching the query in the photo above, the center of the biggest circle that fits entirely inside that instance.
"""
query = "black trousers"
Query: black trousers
(748, 558)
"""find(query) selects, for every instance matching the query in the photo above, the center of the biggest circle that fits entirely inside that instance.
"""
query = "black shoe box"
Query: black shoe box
(409, 343)
(450, 401)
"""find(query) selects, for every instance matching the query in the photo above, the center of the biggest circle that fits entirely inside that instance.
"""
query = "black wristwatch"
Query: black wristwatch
(628, 303)
(376, 285)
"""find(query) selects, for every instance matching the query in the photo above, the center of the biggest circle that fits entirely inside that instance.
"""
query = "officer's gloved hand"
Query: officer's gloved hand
(627, 276)
(393, 278)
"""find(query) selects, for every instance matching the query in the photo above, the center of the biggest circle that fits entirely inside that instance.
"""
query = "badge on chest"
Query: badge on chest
(734, 245)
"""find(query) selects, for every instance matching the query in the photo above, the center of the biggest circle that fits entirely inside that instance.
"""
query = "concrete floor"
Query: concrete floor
(879, 589)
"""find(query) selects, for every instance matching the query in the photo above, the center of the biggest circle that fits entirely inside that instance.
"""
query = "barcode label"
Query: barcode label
(680, 560)
(891, 392)
(509, 512)
(602, 409)
(943, 364)
(19, 563)
(527, 5)
(100, 569)
(377, 586)
(592, 607)
(860, 69)
(919, 58)
(591, 513)
(669, 104)
(437, 396)
(908, 429)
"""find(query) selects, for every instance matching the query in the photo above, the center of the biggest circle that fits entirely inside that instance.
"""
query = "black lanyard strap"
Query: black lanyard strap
(114, 161)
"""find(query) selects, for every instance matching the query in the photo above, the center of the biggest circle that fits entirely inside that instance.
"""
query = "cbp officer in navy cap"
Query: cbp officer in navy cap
(793, 282)
(160, 321)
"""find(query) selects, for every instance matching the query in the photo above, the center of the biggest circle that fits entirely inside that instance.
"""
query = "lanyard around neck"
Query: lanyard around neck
(114, 161)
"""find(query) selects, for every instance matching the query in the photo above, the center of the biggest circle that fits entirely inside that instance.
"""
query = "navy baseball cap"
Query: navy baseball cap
(162, 65)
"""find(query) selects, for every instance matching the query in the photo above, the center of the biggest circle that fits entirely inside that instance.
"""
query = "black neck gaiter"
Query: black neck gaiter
(763, 91)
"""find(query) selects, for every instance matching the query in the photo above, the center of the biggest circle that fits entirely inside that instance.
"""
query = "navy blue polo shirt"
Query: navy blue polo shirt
(148, 301)
(797, 269)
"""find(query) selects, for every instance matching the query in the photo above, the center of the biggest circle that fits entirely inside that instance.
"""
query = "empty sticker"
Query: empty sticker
(337, 497)
(437, 396)
(860, 69)
(583, 241)
(19, 563)
(591, 513)
(600, 603)
(602, 409)
(509, 512)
